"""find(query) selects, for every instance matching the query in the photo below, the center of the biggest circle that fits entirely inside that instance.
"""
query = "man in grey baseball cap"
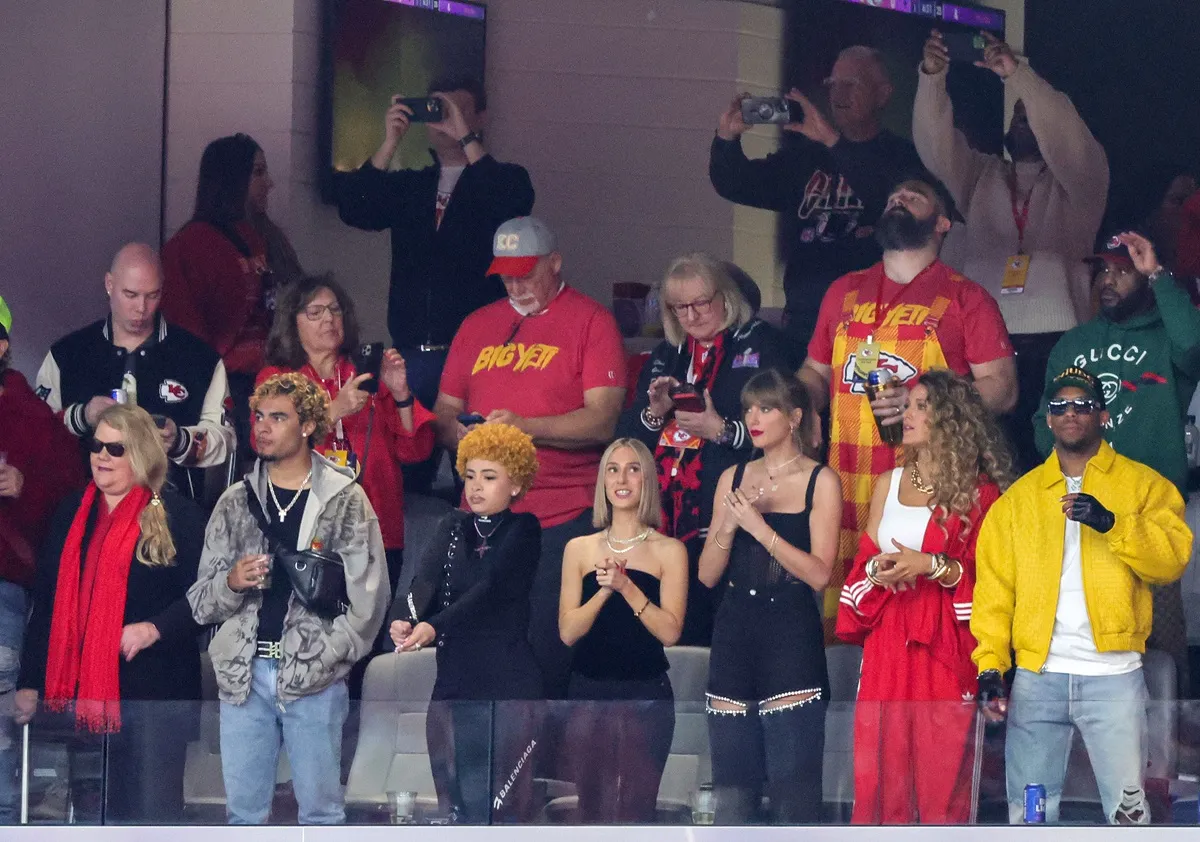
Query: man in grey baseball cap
(550, 361)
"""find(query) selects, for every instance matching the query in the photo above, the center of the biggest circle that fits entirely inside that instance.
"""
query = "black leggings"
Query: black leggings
(618, 736)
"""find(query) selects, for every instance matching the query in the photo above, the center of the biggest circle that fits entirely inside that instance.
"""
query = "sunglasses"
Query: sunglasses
(1082, 406)
(115, 448)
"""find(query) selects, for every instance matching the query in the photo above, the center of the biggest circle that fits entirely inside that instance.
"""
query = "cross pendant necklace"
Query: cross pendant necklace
(484, 546)
(283, 510)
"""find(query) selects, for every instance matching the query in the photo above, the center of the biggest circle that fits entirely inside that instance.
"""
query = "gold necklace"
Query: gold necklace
(632, 542)
(918, 482)
(772, 471)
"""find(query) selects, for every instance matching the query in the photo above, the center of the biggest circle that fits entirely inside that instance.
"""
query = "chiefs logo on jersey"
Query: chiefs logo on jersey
(898, 366)
(172, 391)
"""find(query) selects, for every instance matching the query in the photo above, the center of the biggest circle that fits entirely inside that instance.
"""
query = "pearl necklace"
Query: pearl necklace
(772, 471)
(632, 542)
(283, 510)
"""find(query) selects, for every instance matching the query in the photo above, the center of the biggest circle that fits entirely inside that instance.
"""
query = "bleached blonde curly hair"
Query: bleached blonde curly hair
(310, 400)
(502, 443)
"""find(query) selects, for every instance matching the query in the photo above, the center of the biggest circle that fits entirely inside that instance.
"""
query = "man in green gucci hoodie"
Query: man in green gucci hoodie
(1144, 346)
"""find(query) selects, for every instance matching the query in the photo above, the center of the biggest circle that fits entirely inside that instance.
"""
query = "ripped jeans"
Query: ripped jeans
(12, 632)
(1110, 713)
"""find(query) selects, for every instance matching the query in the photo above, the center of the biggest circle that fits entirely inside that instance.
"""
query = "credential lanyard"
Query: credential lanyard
(1021, 215)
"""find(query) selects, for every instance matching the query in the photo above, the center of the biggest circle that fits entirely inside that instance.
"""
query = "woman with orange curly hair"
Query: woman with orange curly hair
(472, 599)
(907, 600)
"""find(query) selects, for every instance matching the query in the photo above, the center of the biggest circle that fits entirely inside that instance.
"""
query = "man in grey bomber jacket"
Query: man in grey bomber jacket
(281, 669)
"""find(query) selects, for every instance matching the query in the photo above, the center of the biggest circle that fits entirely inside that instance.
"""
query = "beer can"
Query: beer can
(877, 379)
(119, 395)
(1035, 804)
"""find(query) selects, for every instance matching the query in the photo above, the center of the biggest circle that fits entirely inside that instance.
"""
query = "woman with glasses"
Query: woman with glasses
(378, 425)
(687, 404)
(907, 600)
(111, 639)
(223, 270)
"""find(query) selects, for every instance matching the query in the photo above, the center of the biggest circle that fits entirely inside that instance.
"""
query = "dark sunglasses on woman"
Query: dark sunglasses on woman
(115, 448)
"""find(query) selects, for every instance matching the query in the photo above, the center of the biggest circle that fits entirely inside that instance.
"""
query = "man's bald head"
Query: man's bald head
(134, 287)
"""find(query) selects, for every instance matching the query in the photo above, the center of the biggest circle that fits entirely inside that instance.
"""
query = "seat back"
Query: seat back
(391, 754)
(690, 763)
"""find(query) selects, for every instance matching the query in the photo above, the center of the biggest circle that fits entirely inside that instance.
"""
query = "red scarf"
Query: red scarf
(85, 653)
(678, 468)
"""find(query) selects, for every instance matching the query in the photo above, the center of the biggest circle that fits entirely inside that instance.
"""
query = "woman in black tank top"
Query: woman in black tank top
(624, 592)
(773, 540)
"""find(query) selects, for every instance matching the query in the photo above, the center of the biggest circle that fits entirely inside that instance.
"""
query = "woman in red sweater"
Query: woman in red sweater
(218, 278)
(907, 600)
(315, 332)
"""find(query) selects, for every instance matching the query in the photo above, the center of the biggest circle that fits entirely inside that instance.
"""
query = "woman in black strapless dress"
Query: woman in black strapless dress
(624, 593)
(773, 540)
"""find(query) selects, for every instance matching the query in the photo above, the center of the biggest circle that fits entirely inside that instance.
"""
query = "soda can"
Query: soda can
(119, 395)
(1035, 804)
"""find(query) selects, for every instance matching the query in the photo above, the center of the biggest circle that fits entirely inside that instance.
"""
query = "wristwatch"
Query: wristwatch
(469, 138)
(727, 432)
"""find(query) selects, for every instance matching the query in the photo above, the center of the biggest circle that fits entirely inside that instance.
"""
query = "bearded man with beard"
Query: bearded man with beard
(549, 361)
(1144, 346)
(907, 314)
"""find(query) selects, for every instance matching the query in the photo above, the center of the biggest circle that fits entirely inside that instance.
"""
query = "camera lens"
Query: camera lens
(766, 111)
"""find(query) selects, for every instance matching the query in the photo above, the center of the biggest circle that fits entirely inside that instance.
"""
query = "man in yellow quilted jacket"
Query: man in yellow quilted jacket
(1063, 564)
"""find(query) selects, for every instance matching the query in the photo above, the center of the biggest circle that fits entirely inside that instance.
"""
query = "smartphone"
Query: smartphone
(470, 419)
(687, 399)
(964, 46)
(367, 359)
(757, 110)
(425, 109)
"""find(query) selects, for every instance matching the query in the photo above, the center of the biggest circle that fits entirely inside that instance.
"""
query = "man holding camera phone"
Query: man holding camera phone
(281, 666)
(830, 179)
(1030, 220)
(442, 219)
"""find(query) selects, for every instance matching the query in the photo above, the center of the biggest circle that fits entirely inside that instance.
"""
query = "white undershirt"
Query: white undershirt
(1072, 645)
(447, 181)
(906, 524)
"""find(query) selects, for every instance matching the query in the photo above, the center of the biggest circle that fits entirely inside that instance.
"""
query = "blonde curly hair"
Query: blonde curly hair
(310, 400)
(501, 443)
(965, 443)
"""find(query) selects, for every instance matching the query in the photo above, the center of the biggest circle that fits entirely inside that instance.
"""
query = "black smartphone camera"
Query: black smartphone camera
(160, 421)
(687, 399)
(368, 359)
(964, 46)
(425, 109)
(470, 419)
(757, 110)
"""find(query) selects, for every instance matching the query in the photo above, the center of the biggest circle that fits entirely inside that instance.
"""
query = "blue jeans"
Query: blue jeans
(311, 730)
(1110, 713)
(12, 633)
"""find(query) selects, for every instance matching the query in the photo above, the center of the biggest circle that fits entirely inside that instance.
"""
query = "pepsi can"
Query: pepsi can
(119, 395)
(1035, 804)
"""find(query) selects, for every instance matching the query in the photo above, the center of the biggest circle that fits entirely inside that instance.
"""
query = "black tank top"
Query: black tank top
(618, 646)
(750, 565)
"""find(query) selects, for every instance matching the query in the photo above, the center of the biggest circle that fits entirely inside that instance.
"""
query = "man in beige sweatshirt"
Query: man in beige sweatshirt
(1030, 220)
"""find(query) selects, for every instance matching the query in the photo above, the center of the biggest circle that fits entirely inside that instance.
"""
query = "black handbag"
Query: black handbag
(318, 577)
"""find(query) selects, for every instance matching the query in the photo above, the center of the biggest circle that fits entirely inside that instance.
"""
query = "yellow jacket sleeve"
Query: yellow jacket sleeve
(995, 589)
(1155, 542)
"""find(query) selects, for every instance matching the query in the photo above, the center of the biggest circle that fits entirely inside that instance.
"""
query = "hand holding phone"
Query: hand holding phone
(964, 46)
(367, 359)
(687, 398)
(425, 109)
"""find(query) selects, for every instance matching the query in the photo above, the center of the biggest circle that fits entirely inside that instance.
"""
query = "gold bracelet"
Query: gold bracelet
(717, 541)
(638, 613)
(957, 579)
(774, 541)
(871, 570)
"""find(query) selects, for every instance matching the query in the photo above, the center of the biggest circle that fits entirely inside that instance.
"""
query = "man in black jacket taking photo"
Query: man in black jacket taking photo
(442, 219)
(830, 179)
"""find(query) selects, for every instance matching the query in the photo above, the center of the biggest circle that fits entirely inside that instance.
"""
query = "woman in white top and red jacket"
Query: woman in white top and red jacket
(907, 600)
